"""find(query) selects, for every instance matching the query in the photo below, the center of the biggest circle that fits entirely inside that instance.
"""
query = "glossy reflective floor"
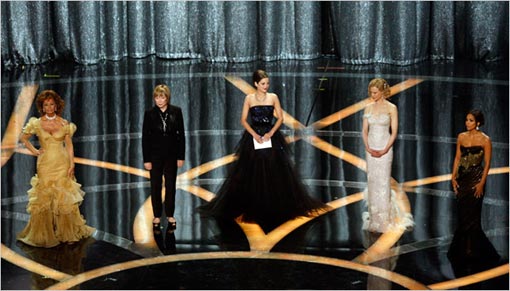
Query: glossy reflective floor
(323, 101)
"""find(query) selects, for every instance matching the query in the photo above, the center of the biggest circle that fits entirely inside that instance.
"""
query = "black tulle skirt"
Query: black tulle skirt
(263, 186)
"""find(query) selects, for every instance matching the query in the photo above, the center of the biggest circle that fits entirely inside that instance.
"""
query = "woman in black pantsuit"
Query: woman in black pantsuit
(163, 146)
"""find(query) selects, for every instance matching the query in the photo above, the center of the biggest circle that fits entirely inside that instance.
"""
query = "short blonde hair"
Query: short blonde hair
(380, 84)
(162, 88)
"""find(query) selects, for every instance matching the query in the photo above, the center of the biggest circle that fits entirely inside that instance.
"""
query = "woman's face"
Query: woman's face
(161, 100)
(263, 85)
(49, 106)
(375, 94)
(470, 122)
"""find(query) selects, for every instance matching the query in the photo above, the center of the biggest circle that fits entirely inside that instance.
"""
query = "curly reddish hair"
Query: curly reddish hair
(46, 95)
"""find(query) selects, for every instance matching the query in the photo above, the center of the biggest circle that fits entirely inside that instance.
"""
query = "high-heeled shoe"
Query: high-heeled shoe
(172, 224)
(156, 227)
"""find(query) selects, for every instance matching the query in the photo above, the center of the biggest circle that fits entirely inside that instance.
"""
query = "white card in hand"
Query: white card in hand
(263, 145)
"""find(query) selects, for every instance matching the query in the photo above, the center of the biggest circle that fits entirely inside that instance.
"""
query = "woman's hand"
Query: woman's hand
(39, 152)
(374, 153)
(267, 136)
(70, 172)
(479, 190)
(147, 166)
(455, 186)
(258, 138)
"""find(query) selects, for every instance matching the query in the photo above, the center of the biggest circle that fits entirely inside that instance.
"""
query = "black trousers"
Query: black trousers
(163, 167)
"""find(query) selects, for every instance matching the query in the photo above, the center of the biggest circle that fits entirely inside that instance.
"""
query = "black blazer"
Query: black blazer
(155, 144)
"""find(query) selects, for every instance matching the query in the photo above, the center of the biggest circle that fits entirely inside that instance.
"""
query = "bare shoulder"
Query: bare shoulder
(369, 107)
(249, 98)
(63, 121)
(273, 96)
(486, 139)
(392, 107)
(462, 135)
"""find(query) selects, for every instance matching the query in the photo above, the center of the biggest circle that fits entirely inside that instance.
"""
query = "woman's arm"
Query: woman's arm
(394, 129)
(365, 131)
(244, 120)
(456, 162)
(70, 151)
(278, 112)
(146, 132)
(25, 140)
(487, 148)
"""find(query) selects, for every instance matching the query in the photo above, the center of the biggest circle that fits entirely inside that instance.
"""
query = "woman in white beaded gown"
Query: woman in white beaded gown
(380, 127)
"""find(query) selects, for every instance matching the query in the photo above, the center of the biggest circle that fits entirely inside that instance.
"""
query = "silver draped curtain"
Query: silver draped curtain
(358, 32)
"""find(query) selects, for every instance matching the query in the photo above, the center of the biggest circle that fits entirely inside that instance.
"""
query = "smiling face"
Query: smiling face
(262, 85)
(375, 94)
(49, 107)
(470, 122)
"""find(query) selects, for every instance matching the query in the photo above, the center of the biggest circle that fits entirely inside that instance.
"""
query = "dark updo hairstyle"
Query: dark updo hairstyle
(478, 115)
(46, 95)
(259, 75)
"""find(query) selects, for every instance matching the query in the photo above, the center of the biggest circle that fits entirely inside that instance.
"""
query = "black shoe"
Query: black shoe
(172, 225)
(156, 227)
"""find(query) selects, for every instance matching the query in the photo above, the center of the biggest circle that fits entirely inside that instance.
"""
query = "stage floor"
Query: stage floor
(323, 101)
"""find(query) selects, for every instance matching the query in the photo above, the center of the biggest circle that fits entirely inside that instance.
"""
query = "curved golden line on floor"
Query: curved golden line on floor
(352, 109)
(99, 164)
(375, 271)
(471, 279)
(17, 120)
(206, 167)
(142, 225)
(337, 152)
(259, 241)
(32, 266)
(447, 177)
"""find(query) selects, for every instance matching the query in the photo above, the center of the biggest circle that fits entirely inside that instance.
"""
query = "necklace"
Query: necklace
(50, 118)
(260, 99)
(163, 120)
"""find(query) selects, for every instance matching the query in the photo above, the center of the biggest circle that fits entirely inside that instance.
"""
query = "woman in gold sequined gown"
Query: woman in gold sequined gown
(55, 196)
(470, 169)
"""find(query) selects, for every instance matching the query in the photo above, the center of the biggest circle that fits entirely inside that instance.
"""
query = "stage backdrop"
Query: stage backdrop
(362, 32)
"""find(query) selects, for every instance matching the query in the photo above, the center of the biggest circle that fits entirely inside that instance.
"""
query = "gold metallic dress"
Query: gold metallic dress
(54, 198)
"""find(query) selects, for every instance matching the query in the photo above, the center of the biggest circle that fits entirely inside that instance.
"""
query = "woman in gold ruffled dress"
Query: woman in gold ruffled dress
(55, 196)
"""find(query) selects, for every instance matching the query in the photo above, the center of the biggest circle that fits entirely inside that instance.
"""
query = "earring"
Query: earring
(477, 128)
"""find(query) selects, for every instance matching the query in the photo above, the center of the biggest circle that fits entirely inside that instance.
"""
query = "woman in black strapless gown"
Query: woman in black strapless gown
(262, 185)
(470, 170)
